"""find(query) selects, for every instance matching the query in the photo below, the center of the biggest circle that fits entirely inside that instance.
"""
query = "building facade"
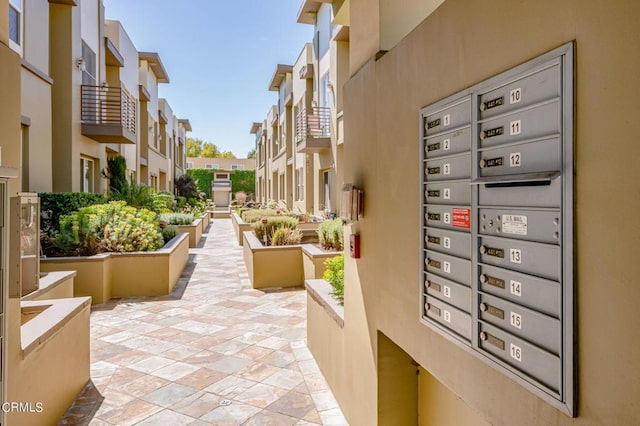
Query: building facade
(221, 163)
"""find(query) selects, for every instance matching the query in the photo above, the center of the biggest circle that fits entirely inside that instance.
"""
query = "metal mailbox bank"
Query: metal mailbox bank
(497, 221)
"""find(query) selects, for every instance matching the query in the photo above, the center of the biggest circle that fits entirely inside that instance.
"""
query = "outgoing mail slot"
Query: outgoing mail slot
(538, 156)
(448, 217)
(448, 316)
(518, 196)
(535, 122)
(450, 143)
(542, 330)
(449, 242)
(526, 290)
(541, 260)
(449, 267)
(448, 168)
(448, 193)
(531, 225)
(454, 116)
(451, 292)
(532, 89)
(537, 363)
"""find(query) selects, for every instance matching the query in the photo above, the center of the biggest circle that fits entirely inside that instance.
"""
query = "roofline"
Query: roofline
(156, 65)
(185, 123)
(279, 75)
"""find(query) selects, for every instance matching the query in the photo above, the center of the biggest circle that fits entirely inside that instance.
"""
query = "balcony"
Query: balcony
(313, 130)
(108, 114)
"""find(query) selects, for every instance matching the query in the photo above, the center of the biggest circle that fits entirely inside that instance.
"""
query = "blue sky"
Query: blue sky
(220, 56)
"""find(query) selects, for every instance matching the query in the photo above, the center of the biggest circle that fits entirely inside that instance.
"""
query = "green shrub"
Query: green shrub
(111, 227)
(253, 215)
(273, 222)
(285, 237)
(135, 195)
(164, 202)
(334, 275)
(116, 172)
(169, 232)
(53, 205)
(203, 179)
(186, 187)
(244, 181)
(176, 218)
(330, 234)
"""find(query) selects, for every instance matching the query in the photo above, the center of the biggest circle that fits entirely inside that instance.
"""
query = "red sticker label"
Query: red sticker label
(461, 218)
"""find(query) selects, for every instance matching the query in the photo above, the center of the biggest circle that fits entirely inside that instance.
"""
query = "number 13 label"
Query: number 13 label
(515, 256)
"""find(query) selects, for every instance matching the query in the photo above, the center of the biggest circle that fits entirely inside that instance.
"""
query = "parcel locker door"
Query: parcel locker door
(531, 225)
(539, 329)
(526, 290)
(541, 260)
(456, 218)
(448, 316)
(537, 156)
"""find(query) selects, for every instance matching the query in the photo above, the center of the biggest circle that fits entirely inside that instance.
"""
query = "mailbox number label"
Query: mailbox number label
(447, 218)
(446, 120)
(515, 320)
(446, 315)
(515, 127)
(447, 193)
(447, 243)
(516, 288)
(447, 267)
(515, 256)
(515, 96)
(446, 290)
(446, 169)
(446, 144)
(515, 352)
(515, 159)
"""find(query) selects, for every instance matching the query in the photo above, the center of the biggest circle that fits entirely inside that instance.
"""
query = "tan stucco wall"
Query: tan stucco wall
(194, 230)
(273, 266)
(93, 275)
(456, 47)
(53, 374)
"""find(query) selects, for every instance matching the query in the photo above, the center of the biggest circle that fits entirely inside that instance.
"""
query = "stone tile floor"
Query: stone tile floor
(214, 352)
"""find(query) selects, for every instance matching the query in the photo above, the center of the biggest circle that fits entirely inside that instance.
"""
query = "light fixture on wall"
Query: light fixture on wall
(81, 65)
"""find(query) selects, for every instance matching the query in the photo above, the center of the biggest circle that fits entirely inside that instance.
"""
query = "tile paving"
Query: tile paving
(214, 352)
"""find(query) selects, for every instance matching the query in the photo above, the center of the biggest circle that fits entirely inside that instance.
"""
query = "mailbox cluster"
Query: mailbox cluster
(498, 220)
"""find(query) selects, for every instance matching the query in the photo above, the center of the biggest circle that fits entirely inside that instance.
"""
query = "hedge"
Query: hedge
(243, 180)
(53, 205)
(203, 177)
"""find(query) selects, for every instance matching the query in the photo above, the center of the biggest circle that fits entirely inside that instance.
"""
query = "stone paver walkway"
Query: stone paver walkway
(214, 352)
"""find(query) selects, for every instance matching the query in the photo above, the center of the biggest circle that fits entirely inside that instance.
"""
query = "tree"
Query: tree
(252, 154)
(194, 147)
(209, 150)
(116, 172)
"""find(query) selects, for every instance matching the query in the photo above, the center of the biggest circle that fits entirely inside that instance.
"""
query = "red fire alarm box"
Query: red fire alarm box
(354, 246)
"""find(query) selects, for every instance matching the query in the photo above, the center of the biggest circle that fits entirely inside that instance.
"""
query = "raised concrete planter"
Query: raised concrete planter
(206, 220)
(239, 227)
(273, 266)
(53, 285)
(108, 275)
(51, 366)
(313, 259)
(194, 230)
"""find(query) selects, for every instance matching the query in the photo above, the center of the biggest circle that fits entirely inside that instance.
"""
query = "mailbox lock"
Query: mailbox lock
(483, 336)
(483, 307)
(483, 278)
(490, 224)
(427, 306)
(483, 164)
(428, 284)
(483, 106)
(556, 221)
(483, 135)
(483, 249)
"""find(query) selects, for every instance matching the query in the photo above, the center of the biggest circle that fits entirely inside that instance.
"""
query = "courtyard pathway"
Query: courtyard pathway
(214, 352)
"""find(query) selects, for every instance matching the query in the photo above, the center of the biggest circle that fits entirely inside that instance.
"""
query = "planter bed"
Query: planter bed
(194, 230)
(206, 220)
(313, 258)
(108, 275)
(272, 266)
(239, 227)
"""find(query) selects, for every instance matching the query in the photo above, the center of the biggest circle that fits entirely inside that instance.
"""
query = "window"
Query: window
(212, 166)
(189, 165)
(237, 167)
(16, 30)
(324, 91)
(300, 184)
(86, 175)
(89, 71)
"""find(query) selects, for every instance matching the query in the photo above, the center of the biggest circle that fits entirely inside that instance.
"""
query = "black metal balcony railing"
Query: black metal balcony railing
(315, 124)
(105, 105)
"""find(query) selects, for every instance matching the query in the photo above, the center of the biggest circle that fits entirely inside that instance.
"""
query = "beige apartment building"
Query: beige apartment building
(409, 352)
(221, 163)
(301, 146)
